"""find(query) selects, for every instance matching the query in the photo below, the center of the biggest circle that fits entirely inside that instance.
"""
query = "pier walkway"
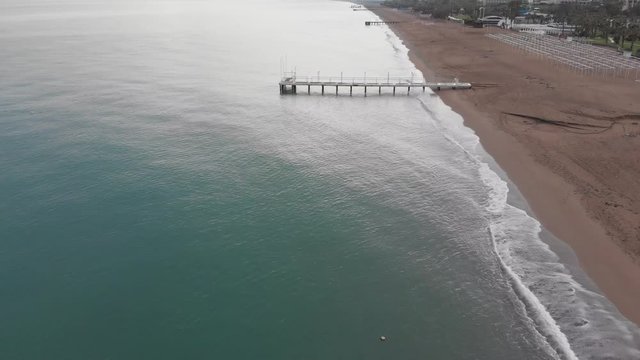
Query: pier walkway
(369, 23)
(290, 84)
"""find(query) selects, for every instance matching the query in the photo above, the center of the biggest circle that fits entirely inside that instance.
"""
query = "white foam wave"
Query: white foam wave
(543, 319)
(573, 319)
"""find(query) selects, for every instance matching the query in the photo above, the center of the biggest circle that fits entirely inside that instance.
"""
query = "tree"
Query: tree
(514, 9)
(633, 34)
(620, 28)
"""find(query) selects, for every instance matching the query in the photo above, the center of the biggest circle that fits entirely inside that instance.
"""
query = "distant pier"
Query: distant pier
(292, 83)
(369, 23)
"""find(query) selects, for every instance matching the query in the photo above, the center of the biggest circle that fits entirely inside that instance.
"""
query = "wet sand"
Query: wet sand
(582, 182)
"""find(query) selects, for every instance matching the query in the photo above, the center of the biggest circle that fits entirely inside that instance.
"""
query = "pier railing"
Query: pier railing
(373, 80)
(291, 81)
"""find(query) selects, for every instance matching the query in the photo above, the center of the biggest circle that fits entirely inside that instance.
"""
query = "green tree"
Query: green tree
(513, 9)
(634, 34)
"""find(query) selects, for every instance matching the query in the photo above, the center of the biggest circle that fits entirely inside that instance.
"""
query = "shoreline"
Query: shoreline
(571, 202)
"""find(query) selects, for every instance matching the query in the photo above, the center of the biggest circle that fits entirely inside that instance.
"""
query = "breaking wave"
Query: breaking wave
(575, 321)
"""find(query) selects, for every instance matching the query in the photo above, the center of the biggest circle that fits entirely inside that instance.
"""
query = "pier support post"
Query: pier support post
(322, 89)
(365, 90)
(336, 90)
(350, 90)
(308, 89)
(379, 90)
(394, 91)
(408, 90)
(294, 90)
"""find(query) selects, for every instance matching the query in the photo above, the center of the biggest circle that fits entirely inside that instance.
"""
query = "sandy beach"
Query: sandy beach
(582, 182)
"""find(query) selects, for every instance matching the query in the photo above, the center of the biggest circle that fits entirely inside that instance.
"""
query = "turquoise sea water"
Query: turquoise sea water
(161, 200)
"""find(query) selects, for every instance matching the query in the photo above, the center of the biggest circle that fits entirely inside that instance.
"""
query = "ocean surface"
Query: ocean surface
(159, 199)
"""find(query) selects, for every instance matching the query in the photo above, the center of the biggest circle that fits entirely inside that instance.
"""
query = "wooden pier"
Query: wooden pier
(369, 23)
(291, 84)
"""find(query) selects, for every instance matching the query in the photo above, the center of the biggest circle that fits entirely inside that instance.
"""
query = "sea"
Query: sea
(160, 199)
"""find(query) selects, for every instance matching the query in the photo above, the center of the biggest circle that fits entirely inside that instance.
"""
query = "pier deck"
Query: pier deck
(289, 85)
(369, 23)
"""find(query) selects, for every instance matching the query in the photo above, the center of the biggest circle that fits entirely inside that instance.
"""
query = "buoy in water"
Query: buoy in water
(383, 338)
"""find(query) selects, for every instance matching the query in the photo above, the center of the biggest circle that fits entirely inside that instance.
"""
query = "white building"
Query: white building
(628, 4)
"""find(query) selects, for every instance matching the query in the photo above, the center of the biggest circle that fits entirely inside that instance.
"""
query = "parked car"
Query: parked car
(492, 20)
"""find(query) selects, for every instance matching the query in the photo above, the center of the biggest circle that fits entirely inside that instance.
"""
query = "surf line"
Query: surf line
(545, 324)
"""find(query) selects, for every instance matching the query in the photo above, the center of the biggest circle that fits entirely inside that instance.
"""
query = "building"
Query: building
(628, 4)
